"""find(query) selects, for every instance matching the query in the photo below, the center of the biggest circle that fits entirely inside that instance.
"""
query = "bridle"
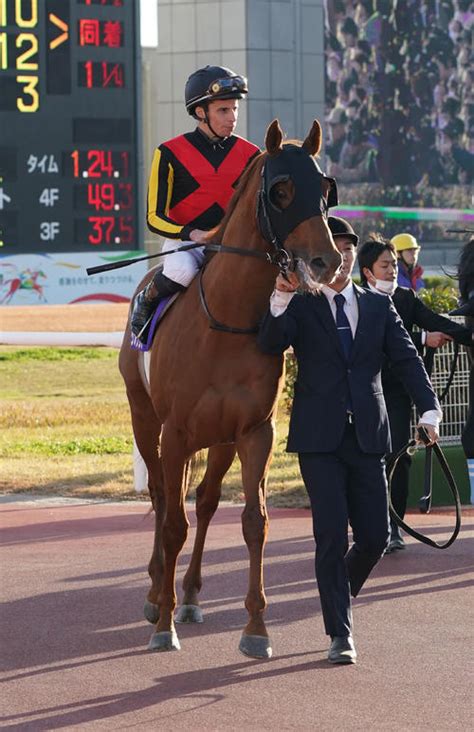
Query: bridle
(270, 229)
(425, 500)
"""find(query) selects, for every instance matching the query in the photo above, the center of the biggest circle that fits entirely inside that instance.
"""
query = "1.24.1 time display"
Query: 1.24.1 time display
(101, 187)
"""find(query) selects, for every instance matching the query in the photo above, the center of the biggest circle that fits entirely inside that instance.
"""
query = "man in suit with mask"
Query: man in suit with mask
(339, 423)
(377, 260)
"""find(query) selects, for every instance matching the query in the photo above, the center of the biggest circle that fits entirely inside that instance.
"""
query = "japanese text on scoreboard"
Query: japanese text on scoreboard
(68, 120)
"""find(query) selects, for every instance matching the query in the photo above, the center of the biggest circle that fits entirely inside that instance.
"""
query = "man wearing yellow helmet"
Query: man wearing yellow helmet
(409, 271)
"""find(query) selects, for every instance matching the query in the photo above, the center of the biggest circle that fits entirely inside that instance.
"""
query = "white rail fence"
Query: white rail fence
(456, 403)
(112, 339)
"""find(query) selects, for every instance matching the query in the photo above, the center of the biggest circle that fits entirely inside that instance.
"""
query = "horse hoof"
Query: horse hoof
(255, 646)
(164, 641)
(189, 614)
(151, 612)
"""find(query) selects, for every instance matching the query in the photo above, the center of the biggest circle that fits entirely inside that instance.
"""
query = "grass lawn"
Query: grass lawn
(65, 430)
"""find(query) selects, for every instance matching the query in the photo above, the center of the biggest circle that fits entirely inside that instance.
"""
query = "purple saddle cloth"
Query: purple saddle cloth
(150, 330)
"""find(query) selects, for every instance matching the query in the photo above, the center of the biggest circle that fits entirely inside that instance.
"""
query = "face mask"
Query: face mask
(386, 287)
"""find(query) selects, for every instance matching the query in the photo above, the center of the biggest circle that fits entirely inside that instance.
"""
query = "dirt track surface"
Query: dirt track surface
(79, 318)
(73, 646)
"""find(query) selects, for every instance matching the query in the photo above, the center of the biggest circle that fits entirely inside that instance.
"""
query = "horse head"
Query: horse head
(293, 203)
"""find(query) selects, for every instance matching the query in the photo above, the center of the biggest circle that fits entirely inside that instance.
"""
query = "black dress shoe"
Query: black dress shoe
(396, 544)
(342, 650)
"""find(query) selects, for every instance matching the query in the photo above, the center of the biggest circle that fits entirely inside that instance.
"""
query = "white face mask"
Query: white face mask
(385, 286)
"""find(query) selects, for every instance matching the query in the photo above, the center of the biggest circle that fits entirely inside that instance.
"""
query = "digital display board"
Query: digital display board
(68, 126)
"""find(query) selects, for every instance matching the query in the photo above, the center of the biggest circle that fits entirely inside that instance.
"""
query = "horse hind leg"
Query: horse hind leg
(255, 452)
(208, 493)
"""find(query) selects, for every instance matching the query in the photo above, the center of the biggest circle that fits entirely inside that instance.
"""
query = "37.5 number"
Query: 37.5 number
(110, 230)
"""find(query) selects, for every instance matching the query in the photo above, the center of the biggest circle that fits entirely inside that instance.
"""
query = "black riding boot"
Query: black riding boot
(147, 300)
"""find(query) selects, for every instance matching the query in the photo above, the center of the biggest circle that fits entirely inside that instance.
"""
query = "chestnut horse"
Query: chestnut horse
(211, 388)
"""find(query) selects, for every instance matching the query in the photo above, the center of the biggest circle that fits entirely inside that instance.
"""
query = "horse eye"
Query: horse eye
(278, 195)
(282, 193)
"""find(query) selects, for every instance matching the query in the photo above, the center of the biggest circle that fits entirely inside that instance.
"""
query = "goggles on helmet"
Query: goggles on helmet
(228, 84)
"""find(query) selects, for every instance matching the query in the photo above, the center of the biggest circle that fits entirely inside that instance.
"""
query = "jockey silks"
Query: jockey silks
(192, 180)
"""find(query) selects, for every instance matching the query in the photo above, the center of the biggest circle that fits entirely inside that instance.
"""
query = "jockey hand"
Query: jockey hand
(431, 431)
(436, 340)
(198, 235)
(285, 286)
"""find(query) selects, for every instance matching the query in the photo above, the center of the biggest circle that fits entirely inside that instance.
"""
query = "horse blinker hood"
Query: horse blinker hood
(292, 163)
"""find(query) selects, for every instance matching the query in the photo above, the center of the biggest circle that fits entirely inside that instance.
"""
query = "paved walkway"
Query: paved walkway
(73, 638)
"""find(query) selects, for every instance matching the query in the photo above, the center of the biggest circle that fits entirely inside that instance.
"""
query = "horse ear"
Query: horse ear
(312, 144)
(273, 138)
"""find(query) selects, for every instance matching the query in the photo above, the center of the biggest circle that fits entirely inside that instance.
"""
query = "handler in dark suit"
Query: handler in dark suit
(339, 423)
(377, 260)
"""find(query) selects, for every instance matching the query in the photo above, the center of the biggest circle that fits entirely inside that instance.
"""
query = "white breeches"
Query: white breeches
(182, 267)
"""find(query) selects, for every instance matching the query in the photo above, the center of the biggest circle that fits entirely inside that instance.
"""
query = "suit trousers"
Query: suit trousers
(399, 408)
(346, 485)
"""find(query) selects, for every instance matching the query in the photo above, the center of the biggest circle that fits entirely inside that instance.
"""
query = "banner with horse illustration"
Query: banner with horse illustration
(54, 279)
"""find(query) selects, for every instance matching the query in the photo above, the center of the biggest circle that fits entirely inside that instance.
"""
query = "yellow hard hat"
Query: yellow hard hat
(404, 241)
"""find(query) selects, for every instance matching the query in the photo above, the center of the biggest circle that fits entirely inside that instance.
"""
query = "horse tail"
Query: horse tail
(193, 469)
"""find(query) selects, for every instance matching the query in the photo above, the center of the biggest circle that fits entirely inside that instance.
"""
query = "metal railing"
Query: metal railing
(455, 404)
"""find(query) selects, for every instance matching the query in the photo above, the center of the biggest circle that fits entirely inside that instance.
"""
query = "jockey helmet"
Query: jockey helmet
(341, 227)
(404, 241)
(213, 82)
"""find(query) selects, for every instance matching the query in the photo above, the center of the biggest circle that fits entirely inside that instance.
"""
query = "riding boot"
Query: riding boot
(147, 300)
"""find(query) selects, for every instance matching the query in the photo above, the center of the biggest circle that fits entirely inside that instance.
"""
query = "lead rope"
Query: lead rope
(425, 501)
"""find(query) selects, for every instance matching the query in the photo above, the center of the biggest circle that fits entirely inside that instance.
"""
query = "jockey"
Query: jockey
(409, 271)
(192, 179)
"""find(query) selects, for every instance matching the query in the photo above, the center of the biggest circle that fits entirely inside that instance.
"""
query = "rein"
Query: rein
(425, 500)
(215, 324)
(279, 258)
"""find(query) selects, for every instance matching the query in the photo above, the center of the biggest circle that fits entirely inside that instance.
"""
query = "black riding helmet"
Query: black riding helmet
(340, 227)
(213, 82)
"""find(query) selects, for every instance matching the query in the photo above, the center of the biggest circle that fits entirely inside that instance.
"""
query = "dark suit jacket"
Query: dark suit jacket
(318, 415)
(413, 312)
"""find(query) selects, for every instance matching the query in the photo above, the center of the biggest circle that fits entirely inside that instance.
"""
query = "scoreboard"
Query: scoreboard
(68, 126)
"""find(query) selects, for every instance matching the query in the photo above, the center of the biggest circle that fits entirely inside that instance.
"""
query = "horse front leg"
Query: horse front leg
(174, 533)
(208, 493)
(255, 453)
(146, 430)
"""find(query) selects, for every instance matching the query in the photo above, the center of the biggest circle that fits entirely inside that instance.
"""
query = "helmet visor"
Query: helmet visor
(228, 84)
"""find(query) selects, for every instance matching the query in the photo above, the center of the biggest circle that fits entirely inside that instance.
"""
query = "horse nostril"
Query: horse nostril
(318, 263)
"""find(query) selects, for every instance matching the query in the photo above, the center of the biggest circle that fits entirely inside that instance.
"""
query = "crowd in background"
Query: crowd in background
(400, 91)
